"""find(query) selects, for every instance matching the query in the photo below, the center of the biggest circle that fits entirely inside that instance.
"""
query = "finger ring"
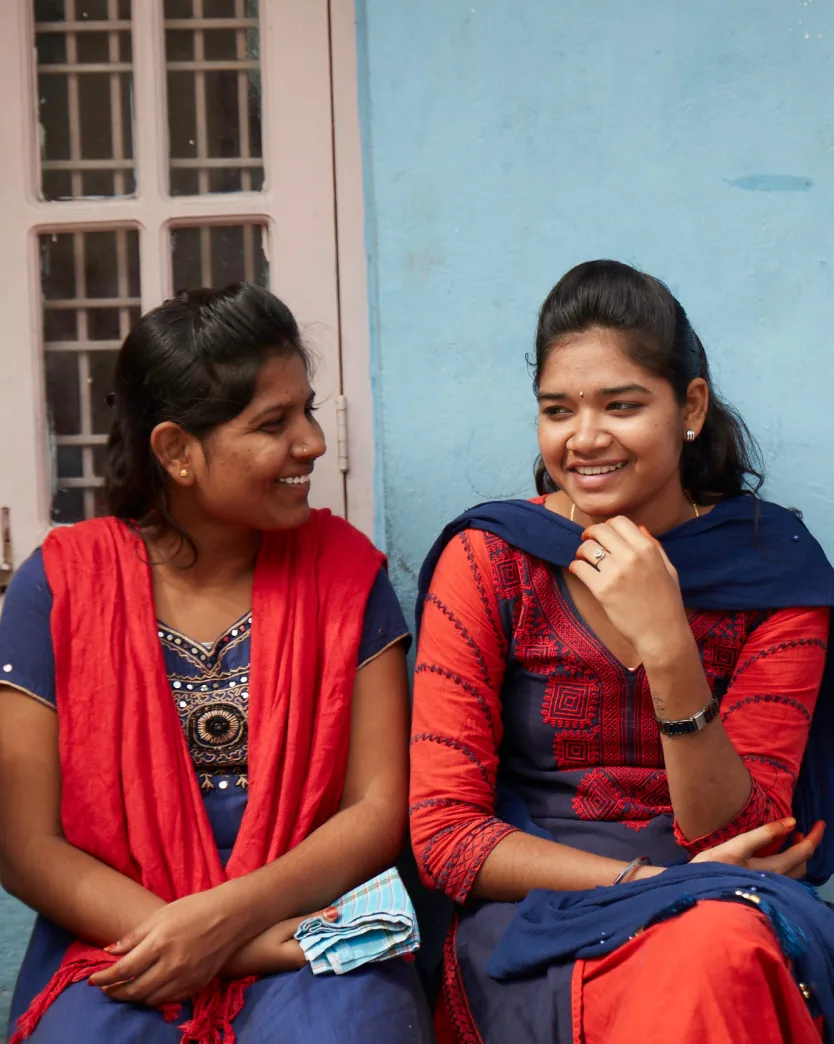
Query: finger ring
(599, 554)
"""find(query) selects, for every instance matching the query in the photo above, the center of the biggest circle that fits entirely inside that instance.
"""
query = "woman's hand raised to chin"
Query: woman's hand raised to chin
(627, 571)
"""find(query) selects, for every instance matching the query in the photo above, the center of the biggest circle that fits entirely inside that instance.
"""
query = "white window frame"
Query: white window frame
(312, 206)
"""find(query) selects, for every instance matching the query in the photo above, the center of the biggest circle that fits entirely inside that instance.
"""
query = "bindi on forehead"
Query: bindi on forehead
(590, 367)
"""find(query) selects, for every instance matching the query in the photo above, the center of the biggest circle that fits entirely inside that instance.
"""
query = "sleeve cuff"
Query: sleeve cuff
(457, 876)
(16, 681)
(757, 811)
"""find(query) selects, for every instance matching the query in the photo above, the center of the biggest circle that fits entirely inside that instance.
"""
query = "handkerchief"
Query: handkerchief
(376, 921)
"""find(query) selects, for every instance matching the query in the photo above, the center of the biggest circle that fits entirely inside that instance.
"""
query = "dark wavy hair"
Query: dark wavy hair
(724, 460)
(195, 361)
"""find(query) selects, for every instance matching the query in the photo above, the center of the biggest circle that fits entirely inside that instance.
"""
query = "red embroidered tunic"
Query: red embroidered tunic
(513, 692)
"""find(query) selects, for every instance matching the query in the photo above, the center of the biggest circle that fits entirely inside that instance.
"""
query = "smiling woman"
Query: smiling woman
(203, 738)
(616, 677)
(215, 432)
(617, 344)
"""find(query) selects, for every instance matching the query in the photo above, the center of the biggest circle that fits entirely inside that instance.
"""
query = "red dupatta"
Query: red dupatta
(141, 810)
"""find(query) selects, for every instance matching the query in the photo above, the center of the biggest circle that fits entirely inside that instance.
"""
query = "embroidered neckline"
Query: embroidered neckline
(579, 619)
(208, 648)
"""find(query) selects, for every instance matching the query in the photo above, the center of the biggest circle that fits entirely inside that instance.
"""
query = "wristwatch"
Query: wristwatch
(684, 726)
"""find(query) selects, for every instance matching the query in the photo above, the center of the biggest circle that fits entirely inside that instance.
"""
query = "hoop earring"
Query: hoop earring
(689, 435)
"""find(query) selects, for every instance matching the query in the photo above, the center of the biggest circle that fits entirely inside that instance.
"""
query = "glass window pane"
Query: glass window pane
(85, 98)
(212, 54)
(90, 299)
(216, 255)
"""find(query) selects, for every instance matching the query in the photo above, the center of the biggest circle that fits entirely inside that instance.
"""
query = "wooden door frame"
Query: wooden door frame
(352, 259)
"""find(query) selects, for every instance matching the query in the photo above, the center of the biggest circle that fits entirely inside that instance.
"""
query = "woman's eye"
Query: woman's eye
(621, 407)
(555, 411)
(273, 425)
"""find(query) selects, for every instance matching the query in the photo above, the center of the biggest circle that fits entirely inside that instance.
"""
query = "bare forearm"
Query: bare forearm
(269, 953)
(89, 899)
(351, 847)
(520, 862)
(708, 782)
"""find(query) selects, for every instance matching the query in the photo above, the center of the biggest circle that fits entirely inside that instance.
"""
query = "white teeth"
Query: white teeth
(604, 470)
(295, 480)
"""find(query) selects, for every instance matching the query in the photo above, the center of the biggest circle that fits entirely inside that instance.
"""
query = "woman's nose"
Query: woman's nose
(588, 434)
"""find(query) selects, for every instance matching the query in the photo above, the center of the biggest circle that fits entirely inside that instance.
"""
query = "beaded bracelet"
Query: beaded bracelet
(632, 866)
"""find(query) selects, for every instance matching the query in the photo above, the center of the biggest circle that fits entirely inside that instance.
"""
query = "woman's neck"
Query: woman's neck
(224, 554)
(671, 508)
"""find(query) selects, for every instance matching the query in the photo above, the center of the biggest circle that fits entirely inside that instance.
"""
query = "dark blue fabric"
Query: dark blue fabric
(381, 1002)
(559, 927)
(744, 554)
(26, 641)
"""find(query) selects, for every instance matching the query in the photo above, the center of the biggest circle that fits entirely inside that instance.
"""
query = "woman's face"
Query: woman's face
(254, 471)
(611, 433)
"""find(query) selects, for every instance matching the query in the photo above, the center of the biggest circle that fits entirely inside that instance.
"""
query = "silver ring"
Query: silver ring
(599, 554)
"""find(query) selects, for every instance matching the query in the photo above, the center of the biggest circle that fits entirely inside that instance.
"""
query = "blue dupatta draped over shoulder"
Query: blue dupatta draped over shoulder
(745, 554)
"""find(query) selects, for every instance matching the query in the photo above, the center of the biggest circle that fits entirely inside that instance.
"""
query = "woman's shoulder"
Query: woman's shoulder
(327, 547)
(26, 652)
(751, 506)
(29, 583)
(96, 539)
(328, 531)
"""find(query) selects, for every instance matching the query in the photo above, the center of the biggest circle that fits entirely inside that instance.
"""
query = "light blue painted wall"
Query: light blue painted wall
(506, 140)
(15, 925)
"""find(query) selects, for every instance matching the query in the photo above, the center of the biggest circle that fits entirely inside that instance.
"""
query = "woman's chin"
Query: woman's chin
(285, 518)
(601, 508)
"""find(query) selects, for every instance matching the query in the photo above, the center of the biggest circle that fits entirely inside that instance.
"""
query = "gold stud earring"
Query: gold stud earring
(183, 472)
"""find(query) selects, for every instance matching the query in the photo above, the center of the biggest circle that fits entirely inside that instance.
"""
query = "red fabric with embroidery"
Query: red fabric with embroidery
(769, 664)
(773, 671)
(141, 810)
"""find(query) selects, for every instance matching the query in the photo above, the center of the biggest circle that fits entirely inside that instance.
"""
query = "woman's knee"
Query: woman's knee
(728, 936)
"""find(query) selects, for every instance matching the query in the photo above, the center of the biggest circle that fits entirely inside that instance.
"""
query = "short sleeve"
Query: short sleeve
(384, 624)
(27, 661)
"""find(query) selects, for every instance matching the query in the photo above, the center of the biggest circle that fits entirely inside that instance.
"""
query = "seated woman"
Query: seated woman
(619, 698)
(203, 724)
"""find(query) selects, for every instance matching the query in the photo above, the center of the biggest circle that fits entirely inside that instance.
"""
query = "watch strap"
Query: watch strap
(686, 726)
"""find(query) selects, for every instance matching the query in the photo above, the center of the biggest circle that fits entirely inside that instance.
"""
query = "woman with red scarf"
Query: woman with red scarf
(617, 677)
(229, 750)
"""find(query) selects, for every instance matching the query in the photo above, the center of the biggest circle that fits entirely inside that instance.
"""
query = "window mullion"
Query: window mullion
(151, 148)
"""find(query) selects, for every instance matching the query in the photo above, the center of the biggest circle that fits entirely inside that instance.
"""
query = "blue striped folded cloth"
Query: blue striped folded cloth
(375, 921)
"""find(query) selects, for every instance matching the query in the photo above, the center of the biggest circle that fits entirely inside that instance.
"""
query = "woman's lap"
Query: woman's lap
(713, 975)
(83, 1013)
(382, 1002)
